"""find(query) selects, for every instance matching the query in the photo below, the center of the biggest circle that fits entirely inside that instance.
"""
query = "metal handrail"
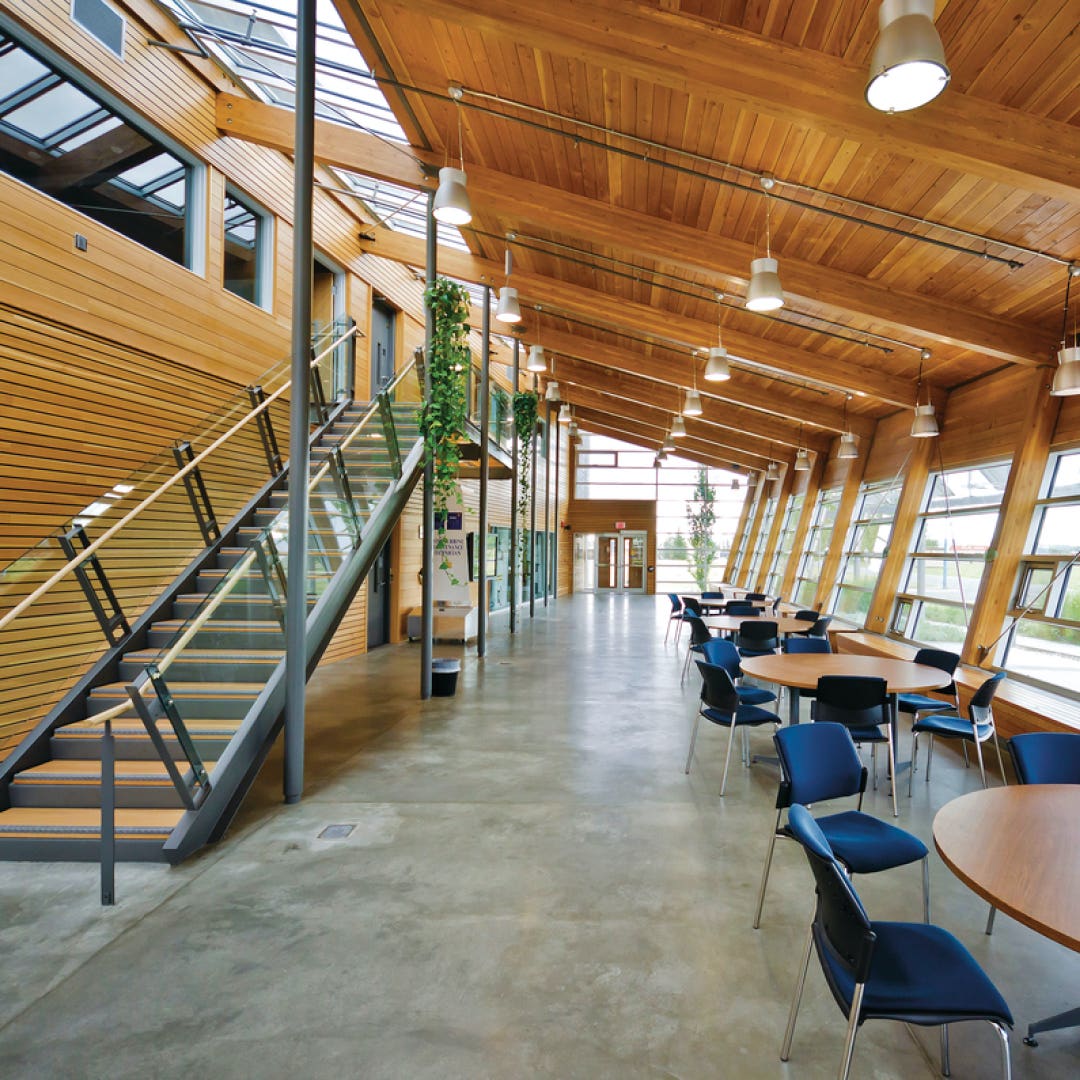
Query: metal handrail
(109, 533)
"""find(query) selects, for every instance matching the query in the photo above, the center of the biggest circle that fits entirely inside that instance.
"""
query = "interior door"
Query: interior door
(633, 568)
(607, 563)
(383, 318)
(378, 608)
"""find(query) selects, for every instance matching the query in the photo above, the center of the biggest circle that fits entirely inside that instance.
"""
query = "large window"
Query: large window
(1043, 642)
(817, 545)
(762, 539)
(948, 554)
(62, 139)
(248, 244)
(865, 548)
(784, 544)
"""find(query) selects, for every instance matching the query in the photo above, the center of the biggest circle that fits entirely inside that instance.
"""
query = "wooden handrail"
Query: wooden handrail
(109, 533)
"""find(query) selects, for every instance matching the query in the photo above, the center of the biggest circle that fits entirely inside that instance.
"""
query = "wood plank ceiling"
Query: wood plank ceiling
(623, 143)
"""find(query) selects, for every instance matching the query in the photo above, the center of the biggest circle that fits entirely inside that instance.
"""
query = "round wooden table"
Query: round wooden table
(1019, 848)
(784, 624)
(800, 671)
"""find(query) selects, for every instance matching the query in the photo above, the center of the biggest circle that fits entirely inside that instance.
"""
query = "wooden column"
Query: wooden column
(802, 526)
(740, 533)
(1014, 520)
(911, 497)
(787, 482)
(755, 529)
(849, 497)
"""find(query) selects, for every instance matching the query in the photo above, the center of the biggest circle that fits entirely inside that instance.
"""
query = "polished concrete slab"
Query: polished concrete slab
(532, 888)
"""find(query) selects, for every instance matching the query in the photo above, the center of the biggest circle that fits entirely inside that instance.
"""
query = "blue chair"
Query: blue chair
(912, 972)
(699, 635)
(674, 617)
(861, 704)
(807, 613)
(757, 638)
(820, 629)
(720, 704)
(819, 762)
(976, 727)
(1046, 757)
(712, 595)
(755, 596)
(722, 653)
(917, 704)
(739, 607)
(806, 645)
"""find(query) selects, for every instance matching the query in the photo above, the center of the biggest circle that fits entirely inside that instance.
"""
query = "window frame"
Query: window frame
(264, 247)
(878, 490)
(827, 498)
(784, 543)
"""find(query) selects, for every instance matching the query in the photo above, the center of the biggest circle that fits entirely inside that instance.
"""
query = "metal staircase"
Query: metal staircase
(161, 739)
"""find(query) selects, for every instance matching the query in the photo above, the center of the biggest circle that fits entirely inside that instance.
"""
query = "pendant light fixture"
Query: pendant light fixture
(678, 427)
(772, 470)
(451, 205)
(848, 447)
(925, 425)
(908, 67)
(734, 483)
(764, 292)
(572, 430)
(551, 394)
(537, 361)
(669, 443)
(567, 416)
(716, 368)
(802, 458)
(509, 310)
(1067, 377)
(692, 405)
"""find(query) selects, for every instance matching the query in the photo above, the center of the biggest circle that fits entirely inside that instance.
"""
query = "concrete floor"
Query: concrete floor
(533, 888)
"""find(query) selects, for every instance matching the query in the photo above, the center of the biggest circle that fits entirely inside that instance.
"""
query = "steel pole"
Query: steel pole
(558, 529)
(532, 522)
(299, 454)
(485, 421)
(427, 589)
(547, 503)
(514, 499)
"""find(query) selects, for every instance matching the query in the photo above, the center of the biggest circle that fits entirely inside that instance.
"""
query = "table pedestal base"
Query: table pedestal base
(1067, 1019)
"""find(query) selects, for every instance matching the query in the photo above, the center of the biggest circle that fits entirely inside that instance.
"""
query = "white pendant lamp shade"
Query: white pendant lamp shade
(773, 471)
(1067, 376)
(692, 405)
(572, 430)
(509, 311)
(907, 68)
(552, 392)
(678, 428)
(764, 292)
(735, 484)
(925, 425)
(537, 361)
(848, 447)
(567, 416)
(802, 460)
(716, 369)
(669, 443)
(451, 199)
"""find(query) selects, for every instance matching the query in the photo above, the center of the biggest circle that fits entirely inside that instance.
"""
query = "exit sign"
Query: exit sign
(620, 524)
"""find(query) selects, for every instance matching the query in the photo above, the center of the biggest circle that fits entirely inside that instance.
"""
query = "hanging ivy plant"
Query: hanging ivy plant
(443, 416)
(526, 411)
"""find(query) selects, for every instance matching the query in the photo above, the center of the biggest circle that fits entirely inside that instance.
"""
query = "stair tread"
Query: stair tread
(78, 770)
(261, 626)
(72, 819)
(212, 655)
(178, 688)
(87, 729)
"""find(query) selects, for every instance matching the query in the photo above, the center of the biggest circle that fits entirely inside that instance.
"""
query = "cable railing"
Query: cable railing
(79, 592)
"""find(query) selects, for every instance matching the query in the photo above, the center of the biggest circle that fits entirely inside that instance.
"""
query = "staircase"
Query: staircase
(225, 682)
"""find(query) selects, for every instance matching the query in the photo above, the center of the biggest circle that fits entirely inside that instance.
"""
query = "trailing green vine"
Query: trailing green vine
(445, 410)
(526, 411)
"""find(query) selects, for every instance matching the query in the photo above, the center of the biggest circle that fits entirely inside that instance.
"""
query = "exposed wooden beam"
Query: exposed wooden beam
(799, 86)
(529, 202)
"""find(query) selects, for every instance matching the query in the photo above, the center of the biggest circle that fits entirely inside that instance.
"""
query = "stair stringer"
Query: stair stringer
(238, 766)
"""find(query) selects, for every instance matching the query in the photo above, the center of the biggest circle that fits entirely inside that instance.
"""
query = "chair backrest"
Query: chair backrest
(759, 634)
(776, 605)
(691, 605)
(1046, 757)
(942, 659)
(717, 690)
(676, 603)
(754, 596)
(807, 645)
(841, 924)
(817, 762)
(806, 613)
(738, 607)
(699, 632)
(819, 628)
(712, 596)
(722, 653)
(979, 707)
(852, 700)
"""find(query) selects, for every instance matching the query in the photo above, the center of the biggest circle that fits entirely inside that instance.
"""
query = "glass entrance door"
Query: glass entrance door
(620, 562)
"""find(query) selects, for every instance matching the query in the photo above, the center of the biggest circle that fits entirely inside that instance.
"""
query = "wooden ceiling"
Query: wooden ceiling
(623, 142)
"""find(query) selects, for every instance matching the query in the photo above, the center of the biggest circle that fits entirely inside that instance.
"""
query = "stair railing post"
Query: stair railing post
(108, 816)
(480, 551)
(514, 497)
(299, 454)
(197, 494)
(427, 588)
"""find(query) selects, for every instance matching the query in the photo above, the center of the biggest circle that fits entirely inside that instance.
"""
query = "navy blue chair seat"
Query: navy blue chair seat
(1046, 757)
(723, 652)
(911, 972)
(819, 762)
(720, 705)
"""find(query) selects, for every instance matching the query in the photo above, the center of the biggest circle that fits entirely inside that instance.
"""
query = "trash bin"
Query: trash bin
(444, 675)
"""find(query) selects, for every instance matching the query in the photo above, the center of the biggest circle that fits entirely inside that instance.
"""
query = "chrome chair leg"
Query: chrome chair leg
(946, 1068)
(727, 756)
(967, 760)
(765, 872)
(978, 754)
(914, 760)
(1001, 763)
(990, 920)
(929, 758)
(1006, 1057)
(926, 888)
(892, 781)
(800, 982)
(693, 739)
(852, 1030)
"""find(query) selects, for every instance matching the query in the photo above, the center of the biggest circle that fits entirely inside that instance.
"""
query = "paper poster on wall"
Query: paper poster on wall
(451, 585)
